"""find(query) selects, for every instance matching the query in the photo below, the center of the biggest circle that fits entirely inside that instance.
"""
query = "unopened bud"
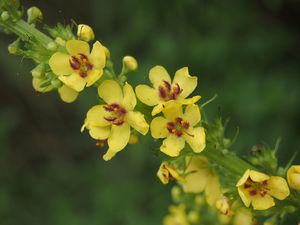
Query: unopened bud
(60, 41)
(38, 71)
(133, 139)
(34, 14)
(85, 33)
(14, 47)
(129, 63)
(222, 205)
(4, 15)
(52, 46)
(176, 192)
(193, 217)
(293, 177)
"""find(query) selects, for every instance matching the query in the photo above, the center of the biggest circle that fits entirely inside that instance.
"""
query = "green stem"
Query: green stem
(26, 31)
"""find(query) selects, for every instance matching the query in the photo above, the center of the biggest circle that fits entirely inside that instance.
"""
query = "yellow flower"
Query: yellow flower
(165, 90)
(259, 189)
(200, 177)
(85, 32)
(243, 217)
(178, 128)
(113, 120)
(293, 177)
(130, 63)
(80, 67)
(167, 172)
(177, 216)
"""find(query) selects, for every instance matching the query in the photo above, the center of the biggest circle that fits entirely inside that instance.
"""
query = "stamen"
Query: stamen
(117, 114)
(81, 64)
(168, 92)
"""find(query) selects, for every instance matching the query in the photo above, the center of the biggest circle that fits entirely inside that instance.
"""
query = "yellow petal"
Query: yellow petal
(137, 121)
(109, 154)
(196, 139)
(93, 76)
(244, 196)
(213, 190)
(188, 101)
(157, 75)
(67, 94)
(147, 95)
(110, 91)
(97, 56)
(262, 203)
(75, 47)
(60, 64)
(192, 115)
(129, 99)
(157, 109)
(278, 187)
(158, 127)
(119, 137)
(172, 110)
(196, 181)
(96, 116)
(293, 176)
(186, 82)
(74, 81)
(258, 176)
(172, 145)
(99, 133)
(244, 178)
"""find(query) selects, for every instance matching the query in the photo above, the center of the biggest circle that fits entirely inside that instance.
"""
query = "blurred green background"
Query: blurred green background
(248, 52)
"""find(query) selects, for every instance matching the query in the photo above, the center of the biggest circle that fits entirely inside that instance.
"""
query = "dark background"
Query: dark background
(248, 52)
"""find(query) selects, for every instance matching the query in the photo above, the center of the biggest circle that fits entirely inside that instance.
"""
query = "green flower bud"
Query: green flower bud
(52, 46)
(38, 71)
(56, 83)
(34, 14)
(14, 47)
(5, 16)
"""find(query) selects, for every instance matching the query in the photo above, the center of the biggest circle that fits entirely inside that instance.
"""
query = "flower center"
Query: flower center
(117, 114)
(178, 127)
(81, 64)
(168, 92)
(256, 188)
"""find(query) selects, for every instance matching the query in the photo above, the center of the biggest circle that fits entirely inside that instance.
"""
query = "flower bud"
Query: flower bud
(293, 177)
(34, 14)
(52, 46)
(193, 217)
(5, 16)
(133, 139)
(85, 33)
(14, 47)
(129, 63)
(38, 71)
(176, 192)
(222, 205)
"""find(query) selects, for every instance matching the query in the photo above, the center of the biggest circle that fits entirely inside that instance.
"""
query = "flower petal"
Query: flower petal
(137, 121)
(75, 47)
(196, 139)
(147, 95)
(36, 84)
(258, 176)
(172, 145)
(93, 76)
(186, 82)
(74, 81)
(196, 181)
(188, 101)
(99, 133)
(119, 137)
(278, 187)
(172, 110)
(129, 99)
(110, 91)
(192, 115)
(109, 154)
(97, 56)
(244, 178)
(157, 109)
(213, 190)
(67, 94)
(244, 196)
(96, 116)
(157, 75)
(60, 64)
(262, 203)
(158, 127)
